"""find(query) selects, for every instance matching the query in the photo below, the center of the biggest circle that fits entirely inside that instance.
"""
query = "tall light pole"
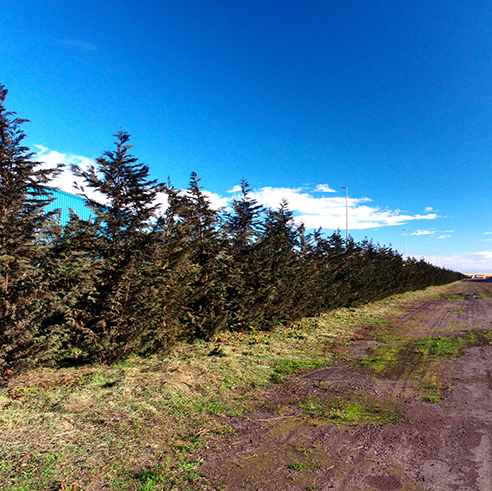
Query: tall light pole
(346, 213)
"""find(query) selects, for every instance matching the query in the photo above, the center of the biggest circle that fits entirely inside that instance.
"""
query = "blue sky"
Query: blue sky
(390, 99)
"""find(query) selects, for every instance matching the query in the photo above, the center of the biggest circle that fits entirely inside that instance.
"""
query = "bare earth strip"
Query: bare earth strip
(441, 435)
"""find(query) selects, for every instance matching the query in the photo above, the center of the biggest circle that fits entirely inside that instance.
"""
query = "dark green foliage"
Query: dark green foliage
(131, 280)
(243, 269)
(24, 241)
(113, 315)
(193, 229)
(280, 267)
(73, 277)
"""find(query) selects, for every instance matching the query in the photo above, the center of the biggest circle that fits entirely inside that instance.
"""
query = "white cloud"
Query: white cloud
(324, 188)
(428, 209)
(423, 232)
(484, 254)
(473, 262)
(488, 233)
(66, 180)
(314, 211)
(235, 189)
(162, 200)
(443, 236)
(216, 201)
(329, 212)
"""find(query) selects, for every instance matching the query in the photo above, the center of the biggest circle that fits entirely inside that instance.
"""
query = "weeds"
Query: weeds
(281, 368)
(478, 337)
(448, 297)
(299, 466)
(134, 425)
(432, 399)
(403, 356)
(439, 347)
(353, 409)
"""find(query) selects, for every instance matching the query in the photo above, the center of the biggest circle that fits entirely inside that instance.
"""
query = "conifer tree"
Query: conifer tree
(333, 271)
(24, 242)
(72, 273)
(242, 228)
(125, 228)
(279, 265)
(196, 228)
(307, 282)
(242, 225)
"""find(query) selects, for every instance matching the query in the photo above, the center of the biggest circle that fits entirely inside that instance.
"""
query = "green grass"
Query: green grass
(298, 466)
(353, 410)
(440, 347)
(137, 425)
(284, 367)
(403, 352)
(432, 399)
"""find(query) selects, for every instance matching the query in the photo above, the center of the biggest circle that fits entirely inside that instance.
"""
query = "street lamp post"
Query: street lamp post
(346, 213)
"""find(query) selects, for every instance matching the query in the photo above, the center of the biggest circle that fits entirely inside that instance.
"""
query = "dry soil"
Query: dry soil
(441, 441)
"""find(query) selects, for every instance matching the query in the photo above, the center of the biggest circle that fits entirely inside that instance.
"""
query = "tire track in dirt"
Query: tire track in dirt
(442, 446)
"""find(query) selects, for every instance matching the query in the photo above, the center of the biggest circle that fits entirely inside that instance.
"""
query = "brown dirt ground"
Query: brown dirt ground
(445, 445)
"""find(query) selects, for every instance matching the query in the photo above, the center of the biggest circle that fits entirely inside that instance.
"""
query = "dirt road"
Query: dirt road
(412, 411)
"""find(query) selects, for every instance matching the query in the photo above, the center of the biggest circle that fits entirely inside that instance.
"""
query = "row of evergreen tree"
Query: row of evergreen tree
(134, 280)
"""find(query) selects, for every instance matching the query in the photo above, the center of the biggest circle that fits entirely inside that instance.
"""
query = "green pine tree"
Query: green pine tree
(24, 244)
(242, 271)
(195, 228)
(125, 228)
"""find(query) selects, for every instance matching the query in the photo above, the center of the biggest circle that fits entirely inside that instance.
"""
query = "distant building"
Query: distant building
(478, 276)
(66, 201)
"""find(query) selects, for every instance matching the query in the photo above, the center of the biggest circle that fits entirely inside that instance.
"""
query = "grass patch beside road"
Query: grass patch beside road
(137, 424)
(355, 409)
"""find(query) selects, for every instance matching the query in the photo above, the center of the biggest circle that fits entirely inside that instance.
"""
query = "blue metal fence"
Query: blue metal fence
(66, 201)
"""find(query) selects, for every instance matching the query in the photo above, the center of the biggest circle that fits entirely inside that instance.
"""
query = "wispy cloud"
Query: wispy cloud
(468, 262)
(66, 181)
(309, 207)
(423, 232)
(484, 254)
(472, 262)
(443, 236)
(323, 188)
(329, 212)
(235, 189)
(428, 209)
